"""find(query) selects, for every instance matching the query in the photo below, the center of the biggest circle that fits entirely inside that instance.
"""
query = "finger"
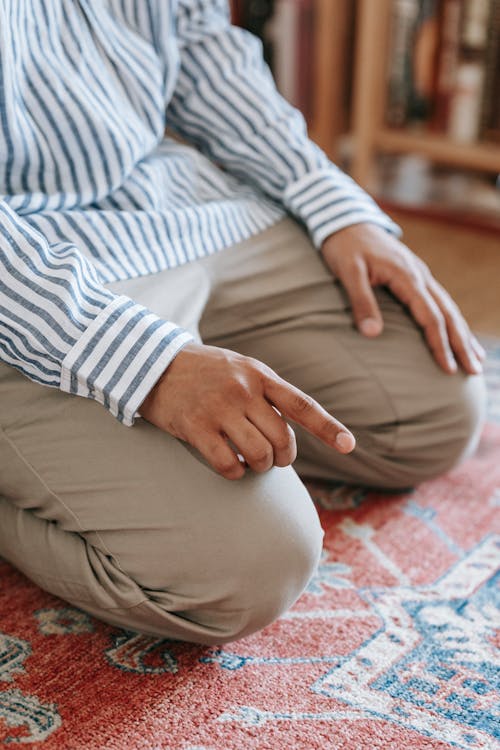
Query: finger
(219, 455)
(365, 309)
(479, 350)
(304, 410)
(460, 337)
(427, 314)
(277, 431)
(251, 443)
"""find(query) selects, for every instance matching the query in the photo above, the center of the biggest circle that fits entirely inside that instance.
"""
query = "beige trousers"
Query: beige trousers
(132, 526)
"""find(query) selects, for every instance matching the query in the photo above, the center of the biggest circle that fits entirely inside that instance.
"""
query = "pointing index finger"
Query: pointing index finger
(304, 410)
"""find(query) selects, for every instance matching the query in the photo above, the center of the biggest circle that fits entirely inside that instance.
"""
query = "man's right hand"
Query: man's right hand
(219, 401)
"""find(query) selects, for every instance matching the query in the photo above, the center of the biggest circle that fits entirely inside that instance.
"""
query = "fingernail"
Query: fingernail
(370, 327)
(451, 363)
(345, 442)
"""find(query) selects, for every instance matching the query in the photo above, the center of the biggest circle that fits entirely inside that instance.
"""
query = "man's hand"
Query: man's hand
(222, 404)
(364, 256)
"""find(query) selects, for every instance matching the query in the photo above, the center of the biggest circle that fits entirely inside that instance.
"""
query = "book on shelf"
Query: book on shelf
(291, 31)
(287, 29)
(490, 113)
(447, 56)
(414, 33)
(283, 32)
(444, 67)
(254, 16)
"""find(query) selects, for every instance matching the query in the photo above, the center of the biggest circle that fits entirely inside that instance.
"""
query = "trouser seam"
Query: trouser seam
(35, 575)
(44, 484)
(365, 368)
(127, 606)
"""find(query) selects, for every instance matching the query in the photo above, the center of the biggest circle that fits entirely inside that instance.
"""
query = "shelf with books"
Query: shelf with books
(427, 81)
(350, 68)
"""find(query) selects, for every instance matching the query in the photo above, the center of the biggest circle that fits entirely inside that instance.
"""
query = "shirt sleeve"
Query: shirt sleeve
(61, 327)
(226, 103)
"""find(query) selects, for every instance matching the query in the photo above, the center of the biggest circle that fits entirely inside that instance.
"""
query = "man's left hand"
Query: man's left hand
(363, 256)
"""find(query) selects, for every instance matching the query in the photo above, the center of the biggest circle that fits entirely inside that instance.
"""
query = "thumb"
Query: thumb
(365, 309)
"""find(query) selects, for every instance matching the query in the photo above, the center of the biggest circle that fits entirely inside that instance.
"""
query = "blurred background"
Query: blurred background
(405, 96)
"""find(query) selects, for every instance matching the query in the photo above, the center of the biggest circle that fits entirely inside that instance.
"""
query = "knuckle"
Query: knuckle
(424, 268)
(413, 278)
(257, 365)
(237, 390)
(464, 334)
(431, 312)
(256, 371)
(262, 456)
(457, 317)
(356, 264)
(266, 375)
(439, 320)
(433, 318)
(327, 430)
(287, 454)
(283, 442)
(225, 466)
(285, 461)
(437, 328)
(303, 404)
(235, 474)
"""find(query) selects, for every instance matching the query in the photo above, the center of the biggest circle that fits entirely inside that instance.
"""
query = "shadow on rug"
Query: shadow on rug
(393, 645)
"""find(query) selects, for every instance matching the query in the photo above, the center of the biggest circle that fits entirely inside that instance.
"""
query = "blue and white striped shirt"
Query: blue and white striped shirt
(91, 190)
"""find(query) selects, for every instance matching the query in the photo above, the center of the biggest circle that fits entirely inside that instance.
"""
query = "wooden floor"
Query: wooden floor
(465, 261)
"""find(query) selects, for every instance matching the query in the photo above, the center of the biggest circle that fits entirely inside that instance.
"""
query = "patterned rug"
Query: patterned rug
(393, 645)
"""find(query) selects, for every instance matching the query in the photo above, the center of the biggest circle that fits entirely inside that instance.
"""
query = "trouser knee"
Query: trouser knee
(437, 440)
(268, 562)
(400, 451)
(253, 564)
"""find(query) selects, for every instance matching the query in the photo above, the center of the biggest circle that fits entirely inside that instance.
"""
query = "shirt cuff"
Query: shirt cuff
(120, 356)
(328, 200)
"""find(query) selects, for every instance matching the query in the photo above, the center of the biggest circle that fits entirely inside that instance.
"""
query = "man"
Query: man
(213, 296)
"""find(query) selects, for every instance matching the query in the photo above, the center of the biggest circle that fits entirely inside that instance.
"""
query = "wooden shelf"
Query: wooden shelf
(331, 41)
(370, 135)
(480, 156)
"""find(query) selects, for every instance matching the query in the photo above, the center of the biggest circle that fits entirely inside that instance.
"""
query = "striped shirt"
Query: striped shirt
(91, 190)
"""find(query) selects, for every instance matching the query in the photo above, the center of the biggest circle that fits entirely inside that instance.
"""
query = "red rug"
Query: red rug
(394, 644)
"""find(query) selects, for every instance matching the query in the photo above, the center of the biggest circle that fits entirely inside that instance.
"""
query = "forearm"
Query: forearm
(62, 328)
(226, 102)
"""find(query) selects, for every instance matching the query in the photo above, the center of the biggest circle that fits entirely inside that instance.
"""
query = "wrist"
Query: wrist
(148, 405)
(364, 229)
